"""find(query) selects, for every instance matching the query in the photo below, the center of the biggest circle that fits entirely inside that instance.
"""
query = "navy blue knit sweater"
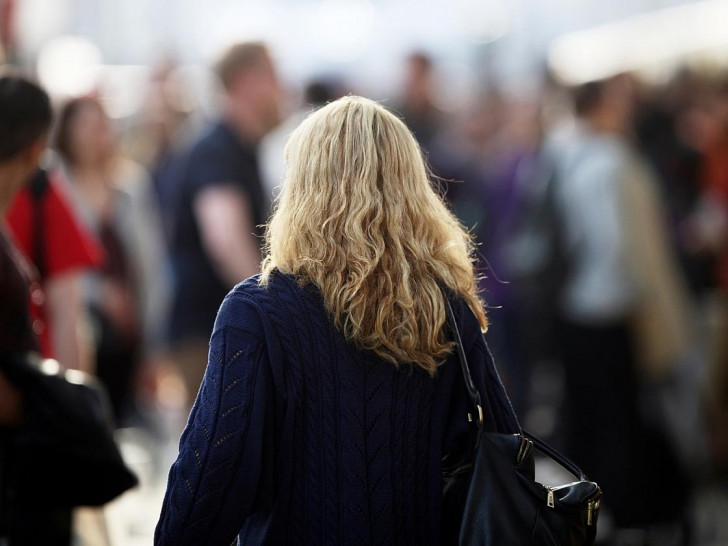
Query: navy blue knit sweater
(297, 437)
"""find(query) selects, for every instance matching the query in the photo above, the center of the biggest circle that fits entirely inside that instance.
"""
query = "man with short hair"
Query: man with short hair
(221, 204)
(25, 117)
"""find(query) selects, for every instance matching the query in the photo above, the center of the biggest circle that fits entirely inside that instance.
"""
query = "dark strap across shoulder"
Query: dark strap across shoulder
(38, 188)
(476, 403)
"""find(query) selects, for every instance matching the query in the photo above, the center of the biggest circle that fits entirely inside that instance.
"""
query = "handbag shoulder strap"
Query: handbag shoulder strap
(473, 393)
(496, 407)
(475, 400)
(38, 189)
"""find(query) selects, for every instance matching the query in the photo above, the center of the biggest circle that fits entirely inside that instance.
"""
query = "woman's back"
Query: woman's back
(327, 406)
(300, 438)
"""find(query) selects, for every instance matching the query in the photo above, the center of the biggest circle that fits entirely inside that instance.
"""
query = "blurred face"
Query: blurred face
(258, 88)
(90, 134)
(618, 98)
(417, 79)
(418, 70)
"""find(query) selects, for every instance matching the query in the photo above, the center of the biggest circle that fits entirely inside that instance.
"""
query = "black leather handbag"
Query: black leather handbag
(63, 454)
(490, 494)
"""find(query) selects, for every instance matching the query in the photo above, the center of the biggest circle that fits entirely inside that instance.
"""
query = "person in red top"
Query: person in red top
(49, 235)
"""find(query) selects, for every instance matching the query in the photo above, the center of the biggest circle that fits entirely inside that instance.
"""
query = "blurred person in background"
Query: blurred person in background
(457, 147)
(221, 204)
(166, 109)
(666, 120)
(483, 156)
(683, 128)
(25, 117)
(51, 237)
(512, 157)
(706, 234)
(164, 128)
(716, 186)
(623, 315)
(127, 296)
(416, 104)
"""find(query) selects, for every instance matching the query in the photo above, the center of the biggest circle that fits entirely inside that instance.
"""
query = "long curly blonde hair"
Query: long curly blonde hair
(358, 218)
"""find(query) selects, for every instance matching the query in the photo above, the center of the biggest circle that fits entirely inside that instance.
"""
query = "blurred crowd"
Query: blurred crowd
(601, 213)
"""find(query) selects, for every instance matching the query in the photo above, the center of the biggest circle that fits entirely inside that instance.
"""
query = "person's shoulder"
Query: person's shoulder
(466, 321)
(207, 145)
(215, 139)
(251, 289)
(252, 300)
(241, 306)
(214, 159)
(469, 324)
(19, 218)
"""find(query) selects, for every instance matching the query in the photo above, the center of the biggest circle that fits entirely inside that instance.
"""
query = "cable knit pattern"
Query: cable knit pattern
(297, 437)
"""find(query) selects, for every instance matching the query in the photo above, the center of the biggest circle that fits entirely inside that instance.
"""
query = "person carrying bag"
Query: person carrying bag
(490, 494)
(64, 454)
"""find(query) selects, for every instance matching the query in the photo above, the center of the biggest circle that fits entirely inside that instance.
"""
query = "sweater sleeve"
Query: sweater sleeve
(213, 484)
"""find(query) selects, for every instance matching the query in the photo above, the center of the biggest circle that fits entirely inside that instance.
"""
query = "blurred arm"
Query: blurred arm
(150, 263)
(64, 303)
(226, 225)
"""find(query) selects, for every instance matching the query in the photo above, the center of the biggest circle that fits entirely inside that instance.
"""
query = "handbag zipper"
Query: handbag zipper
(591, 508)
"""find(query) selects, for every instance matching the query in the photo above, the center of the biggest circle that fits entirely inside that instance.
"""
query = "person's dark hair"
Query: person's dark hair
(25, 114)
(237, 59)
(62, 141)
(318, 93)
(587, 97)
(421, 60)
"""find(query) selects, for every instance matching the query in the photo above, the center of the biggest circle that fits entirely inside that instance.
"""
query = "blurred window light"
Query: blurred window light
(37, 21)
(344, 29)
(68, 66)
(187, 86)
(192, 87)
(482, 21)
(640, 41)
(123, 88)
(216, 29)
(461, 90)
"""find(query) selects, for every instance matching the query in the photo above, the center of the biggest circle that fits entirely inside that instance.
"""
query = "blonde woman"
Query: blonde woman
(332, 391)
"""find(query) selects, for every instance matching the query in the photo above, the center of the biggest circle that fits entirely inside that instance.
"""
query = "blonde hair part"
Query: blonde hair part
(358, 218)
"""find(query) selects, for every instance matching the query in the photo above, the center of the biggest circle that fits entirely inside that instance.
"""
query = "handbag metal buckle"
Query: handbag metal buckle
(480, 416)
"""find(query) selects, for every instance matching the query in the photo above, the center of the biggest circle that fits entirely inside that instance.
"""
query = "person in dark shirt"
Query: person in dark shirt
(221, 204)
(417, 105)
(25, 116)
(16, 331)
